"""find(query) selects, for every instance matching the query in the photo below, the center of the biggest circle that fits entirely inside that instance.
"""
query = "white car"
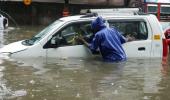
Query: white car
(57, 40)
(3, 22)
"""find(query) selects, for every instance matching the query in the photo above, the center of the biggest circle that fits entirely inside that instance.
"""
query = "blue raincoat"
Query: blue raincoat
(108, 40)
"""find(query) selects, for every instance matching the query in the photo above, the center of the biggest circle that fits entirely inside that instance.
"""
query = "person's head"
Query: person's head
(98, 24)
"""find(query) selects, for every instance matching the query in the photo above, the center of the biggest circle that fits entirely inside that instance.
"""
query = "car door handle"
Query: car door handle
(141, 48)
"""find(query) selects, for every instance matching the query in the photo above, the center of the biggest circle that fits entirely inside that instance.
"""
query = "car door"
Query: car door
(64, 45)
(139, 45)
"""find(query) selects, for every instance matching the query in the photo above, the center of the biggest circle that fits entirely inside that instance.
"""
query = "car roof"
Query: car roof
(81, 17)
(90, 14)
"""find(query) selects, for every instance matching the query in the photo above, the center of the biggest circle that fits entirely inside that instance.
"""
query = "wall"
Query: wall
(42, 13)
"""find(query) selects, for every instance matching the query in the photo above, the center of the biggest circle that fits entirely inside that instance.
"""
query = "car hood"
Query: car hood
(13, 47)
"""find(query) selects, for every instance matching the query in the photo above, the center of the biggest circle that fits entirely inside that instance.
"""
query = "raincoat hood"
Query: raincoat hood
(98, 24)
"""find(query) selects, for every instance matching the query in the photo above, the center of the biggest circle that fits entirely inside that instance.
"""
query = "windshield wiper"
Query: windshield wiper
(31, 41)
(26, 42)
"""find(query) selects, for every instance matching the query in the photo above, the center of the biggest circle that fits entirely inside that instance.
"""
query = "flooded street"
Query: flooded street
(79, 79)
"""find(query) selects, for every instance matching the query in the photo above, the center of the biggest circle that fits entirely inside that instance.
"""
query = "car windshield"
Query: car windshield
(42, 33)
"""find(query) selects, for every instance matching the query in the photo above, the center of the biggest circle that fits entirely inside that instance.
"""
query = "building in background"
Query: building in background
(46, 11)
(161, 8)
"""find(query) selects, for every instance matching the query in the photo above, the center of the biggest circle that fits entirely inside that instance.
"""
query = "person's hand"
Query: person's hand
(130, 38)
(79, 38)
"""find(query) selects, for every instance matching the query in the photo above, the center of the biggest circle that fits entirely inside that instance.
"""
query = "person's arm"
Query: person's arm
(124, 39)
(80, 38)
(94, 44)
(85, 42)
(95, 52)
(129, 38)
(121, 37)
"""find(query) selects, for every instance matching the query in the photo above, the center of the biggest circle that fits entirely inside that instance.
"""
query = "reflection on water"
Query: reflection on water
(13, 34)
(136, 79)
(80, 79)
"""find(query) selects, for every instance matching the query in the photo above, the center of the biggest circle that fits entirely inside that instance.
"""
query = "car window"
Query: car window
(135, 29)
(66, 36)
(142, 31)
(75, 30)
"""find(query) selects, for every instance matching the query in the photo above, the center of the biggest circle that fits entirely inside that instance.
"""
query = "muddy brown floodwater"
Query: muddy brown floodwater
(79, 79)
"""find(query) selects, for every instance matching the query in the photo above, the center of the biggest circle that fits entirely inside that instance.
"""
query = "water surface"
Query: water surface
(79, 79)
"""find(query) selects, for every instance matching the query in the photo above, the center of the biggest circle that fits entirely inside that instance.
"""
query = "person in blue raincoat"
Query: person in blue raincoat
(108, 40)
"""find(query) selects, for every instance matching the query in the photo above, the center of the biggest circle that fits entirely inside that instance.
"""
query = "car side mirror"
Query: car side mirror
(55, 41)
